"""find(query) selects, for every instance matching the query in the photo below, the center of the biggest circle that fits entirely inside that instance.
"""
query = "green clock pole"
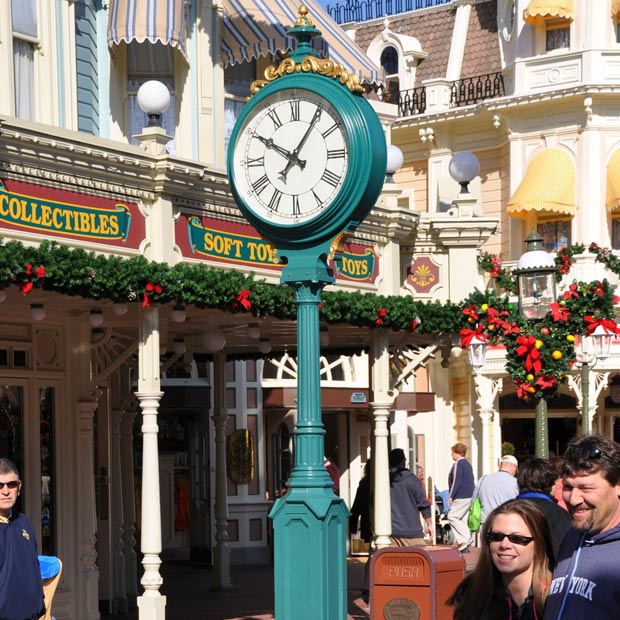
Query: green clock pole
(307, 104)
(310, 521)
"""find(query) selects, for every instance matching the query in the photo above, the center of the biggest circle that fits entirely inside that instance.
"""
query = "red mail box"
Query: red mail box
(414, 582)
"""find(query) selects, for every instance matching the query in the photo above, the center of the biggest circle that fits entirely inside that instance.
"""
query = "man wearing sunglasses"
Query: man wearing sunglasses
(21, 588)
(585, 580)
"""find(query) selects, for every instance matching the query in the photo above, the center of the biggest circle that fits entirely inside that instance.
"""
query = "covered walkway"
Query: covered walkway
(189, 594)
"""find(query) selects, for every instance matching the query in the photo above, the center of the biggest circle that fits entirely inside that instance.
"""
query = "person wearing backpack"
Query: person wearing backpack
(497, 488)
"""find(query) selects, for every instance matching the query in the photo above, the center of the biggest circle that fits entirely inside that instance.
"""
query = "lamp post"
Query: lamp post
(592, 348)
(536, 274)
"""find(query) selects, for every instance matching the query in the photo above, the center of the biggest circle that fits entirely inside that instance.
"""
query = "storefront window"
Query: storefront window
(555, 234)
(558, 34)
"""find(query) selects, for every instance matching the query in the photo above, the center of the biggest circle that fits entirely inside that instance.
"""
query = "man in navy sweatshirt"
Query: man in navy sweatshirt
(585, 580)
(21, 588)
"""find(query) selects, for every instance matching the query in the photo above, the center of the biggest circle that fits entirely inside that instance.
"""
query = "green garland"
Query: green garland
(539, 355)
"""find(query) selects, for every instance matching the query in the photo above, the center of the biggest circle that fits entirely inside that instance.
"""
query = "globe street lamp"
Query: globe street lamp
(536, 276)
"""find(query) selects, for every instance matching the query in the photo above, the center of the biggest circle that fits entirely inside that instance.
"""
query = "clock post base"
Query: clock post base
(310, 578)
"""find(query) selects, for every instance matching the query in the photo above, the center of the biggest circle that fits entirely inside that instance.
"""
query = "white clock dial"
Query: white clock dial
(291, 157)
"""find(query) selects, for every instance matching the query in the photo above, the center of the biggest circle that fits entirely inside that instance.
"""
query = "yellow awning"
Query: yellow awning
(612, 199)
(254, 28)
(548, 8)
(154, 21)
(547, 187)
(615, 8)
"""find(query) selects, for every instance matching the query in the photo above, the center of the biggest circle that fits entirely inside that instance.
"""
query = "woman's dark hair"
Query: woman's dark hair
(537, 476)
(472, 597)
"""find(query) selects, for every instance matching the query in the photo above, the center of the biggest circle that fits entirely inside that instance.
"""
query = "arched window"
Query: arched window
(389, 64)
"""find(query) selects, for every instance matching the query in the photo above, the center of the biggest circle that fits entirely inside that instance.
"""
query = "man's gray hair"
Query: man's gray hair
(8, 467)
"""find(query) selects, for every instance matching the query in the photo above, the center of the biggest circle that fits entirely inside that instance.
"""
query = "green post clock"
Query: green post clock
(306, 163)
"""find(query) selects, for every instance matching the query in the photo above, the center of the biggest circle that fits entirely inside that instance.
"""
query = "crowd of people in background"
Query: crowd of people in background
(549, 536)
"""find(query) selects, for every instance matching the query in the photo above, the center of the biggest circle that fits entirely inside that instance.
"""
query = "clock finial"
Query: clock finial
(304, 31)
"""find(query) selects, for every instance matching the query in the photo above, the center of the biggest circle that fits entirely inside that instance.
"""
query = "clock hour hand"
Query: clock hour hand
(270, 144)
(294, 156)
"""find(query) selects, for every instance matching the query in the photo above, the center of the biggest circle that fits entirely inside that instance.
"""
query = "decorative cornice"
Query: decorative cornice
(310, 64)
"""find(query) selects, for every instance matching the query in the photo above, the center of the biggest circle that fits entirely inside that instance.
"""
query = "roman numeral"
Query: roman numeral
(296, 210)
(330, 130)
(273, 115)
(330, 178)
(294, 110)
(336, 154)
(274, 203)
(260, 184)
(256, 162)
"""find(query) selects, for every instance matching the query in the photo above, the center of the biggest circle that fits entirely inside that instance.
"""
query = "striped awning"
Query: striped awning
(147, 20)
(612, 197)
(547, 187)
(254, 28)
(548, 8)
(615, 8)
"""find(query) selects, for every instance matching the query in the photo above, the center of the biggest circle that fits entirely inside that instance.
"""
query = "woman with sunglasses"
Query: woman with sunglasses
(511, 579)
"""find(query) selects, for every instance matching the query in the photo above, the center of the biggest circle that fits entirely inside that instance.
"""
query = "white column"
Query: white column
(487, 390)
(220, 418)
(118, 543)
(381, 403)
(151, 604)
(129, 506)
(88, 571)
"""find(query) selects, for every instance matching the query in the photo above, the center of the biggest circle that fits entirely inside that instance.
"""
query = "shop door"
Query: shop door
(27, 437)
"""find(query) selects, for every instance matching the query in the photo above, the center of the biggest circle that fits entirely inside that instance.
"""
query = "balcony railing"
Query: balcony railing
(412, 101)
(365, 10)
(462, 92)
(473, 89)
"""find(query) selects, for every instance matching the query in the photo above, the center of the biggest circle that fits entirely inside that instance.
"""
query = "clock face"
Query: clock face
(291, 157)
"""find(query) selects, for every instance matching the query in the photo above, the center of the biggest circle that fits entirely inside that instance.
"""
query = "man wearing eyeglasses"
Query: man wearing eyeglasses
(585, 581)
(21, 588)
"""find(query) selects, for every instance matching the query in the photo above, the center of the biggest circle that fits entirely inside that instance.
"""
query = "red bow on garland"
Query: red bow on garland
(242, 299)
(527, 348)
(467, 335)
(39, 272)
(381, 314)
(608, 325)
(149, 290)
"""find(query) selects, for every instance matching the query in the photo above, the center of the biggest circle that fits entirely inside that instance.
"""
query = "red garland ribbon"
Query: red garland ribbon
(381, 314)
(527, 348)
(467, 335)
(149, 290)
(38, 273)
(242, 299)
(608, 325)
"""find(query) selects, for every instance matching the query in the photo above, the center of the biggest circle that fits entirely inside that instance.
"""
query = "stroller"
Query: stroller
(443, 532)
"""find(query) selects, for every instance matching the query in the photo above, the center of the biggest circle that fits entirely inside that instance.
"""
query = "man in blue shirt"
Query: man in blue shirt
(21, 587)
(461, 485)
(585, 580)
